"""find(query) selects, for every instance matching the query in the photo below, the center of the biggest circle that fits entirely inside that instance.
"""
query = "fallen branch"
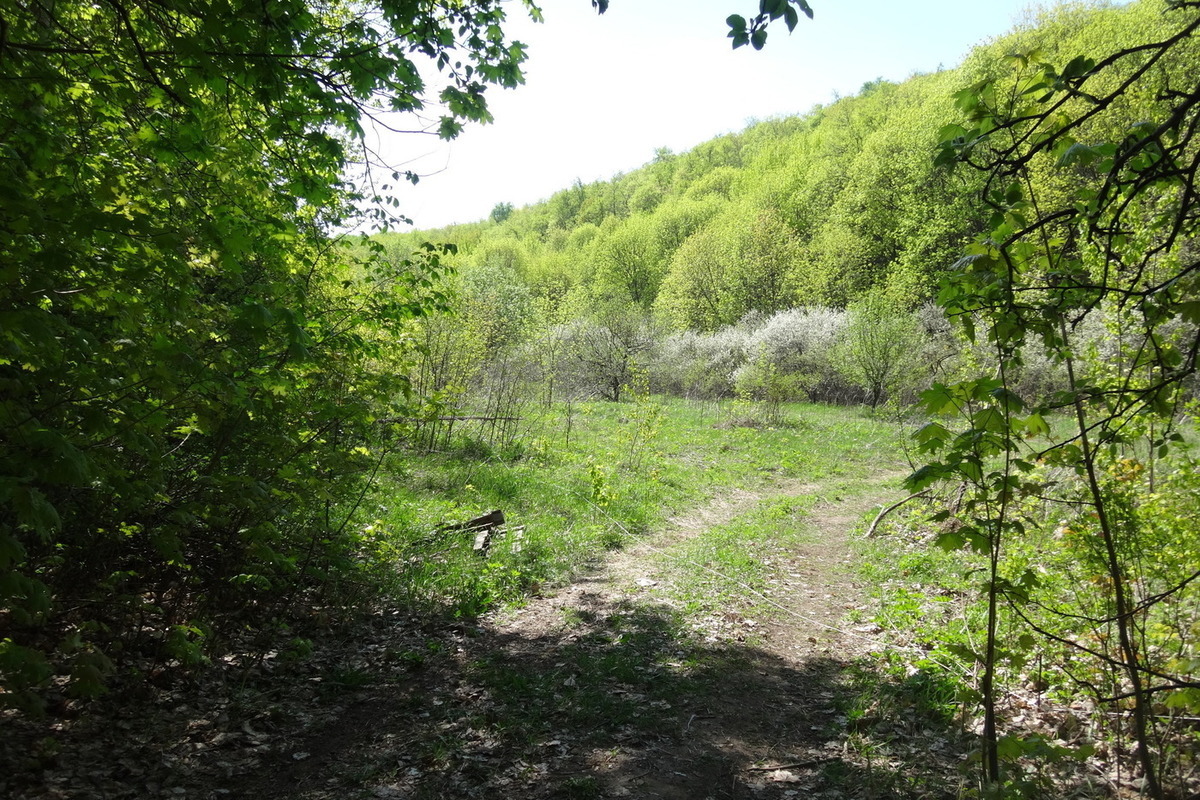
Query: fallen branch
(492, 519)
(798, 765)
(890, 509)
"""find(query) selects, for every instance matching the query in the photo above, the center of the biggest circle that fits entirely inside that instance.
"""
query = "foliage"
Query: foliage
(881, 348)
(501, 212)
(806, 211)
(1093, 211)
(754, 32)
(192, 368)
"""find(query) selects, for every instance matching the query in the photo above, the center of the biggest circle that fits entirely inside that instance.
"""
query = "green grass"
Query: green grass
(584, 485)
(714, 568)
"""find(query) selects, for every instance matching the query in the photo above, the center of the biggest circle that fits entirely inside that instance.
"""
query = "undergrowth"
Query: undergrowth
(590, 478)
(1064, 720)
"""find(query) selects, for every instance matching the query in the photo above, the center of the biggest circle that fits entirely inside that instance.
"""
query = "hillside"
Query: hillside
(811, 210)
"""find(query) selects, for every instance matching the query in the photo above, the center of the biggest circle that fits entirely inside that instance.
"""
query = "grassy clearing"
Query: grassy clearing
(590, 477)
(618, 678)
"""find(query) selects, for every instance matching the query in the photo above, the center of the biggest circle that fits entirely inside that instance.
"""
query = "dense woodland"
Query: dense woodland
(204, 381)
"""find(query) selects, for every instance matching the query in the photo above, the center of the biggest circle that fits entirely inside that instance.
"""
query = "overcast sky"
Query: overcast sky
(603, 92)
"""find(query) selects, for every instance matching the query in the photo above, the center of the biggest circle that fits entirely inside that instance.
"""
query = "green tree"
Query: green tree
(1090, 164)
(691, 296)
(191, 365)
(880, 347)
(501, 212)
(629, 261)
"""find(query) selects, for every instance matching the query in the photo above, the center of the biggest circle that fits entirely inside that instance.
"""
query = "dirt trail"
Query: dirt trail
(762, 718)
(815, 589)
(603, 688)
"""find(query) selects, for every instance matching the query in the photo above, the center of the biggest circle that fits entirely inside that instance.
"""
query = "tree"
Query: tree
(501, 212)
(690, 296)
(602, 352)
(880, 347)
(629, 261)
(192, 365)
(1090, 171)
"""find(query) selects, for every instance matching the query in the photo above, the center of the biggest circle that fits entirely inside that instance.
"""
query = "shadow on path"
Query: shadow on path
(622, 701)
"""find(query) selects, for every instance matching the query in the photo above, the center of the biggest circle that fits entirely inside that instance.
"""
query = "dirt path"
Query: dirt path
(768, 700)
(612, 686)
(609, 688)
(813, 590)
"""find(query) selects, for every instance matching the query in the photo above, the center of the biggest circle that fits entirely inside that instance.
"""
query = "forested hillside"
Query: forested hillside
(708, 254)
(228, 429)
(811, 210)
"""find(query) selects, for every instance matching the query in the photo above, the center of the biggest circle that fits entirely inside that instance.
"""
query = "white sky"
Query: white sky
(603, 92)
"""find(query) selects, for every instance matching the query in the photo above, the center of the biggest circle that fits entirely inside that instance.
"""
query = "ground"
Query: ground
(654, 675)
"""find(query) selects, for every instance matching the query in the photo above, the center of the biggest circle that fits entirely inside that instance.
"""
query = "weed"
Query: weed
(581, 787)
(613, 480)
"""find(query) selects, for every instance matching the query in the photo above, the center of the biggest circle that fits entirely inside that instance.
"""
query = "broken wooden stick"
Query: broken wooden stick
(890, 509)
(492, 519)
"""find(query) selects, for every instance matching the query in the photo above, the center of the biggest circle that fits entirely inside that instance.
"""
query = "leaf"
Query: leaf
(962, 651)
(11, 551)
(932, 437)
(1009, 400)
(977, 541)
(1189, 311)
(950, 540)
(971, 469)
(34, 511)
(1078, 67)
(924, 477)
(1035, 425)
(1078, 154)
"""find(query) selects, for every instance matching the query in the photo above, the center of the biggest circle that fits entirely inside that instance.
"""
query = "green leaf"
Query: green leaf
(950, 540)
(932, 437)
(35, 512)
(923, 478)
(991, 420)
(962, 651)
(1189, 311)
(1078, 154)
(1078, 67)
(977, 541)
(1035, 425)
(971, 469)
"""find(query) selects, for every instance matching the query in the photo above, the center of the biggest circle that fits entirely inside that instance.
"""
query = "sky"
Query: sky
(602, 93)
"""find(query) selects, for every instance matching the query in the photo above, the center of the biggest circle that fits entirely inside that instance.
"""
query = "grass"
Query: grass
(645, 668)
(583, 489)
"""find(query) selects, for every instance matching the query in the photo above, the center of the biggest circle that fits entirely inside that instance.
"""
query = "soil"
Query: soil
(768, 724)
(602, 688)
